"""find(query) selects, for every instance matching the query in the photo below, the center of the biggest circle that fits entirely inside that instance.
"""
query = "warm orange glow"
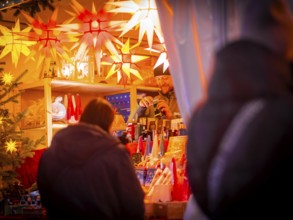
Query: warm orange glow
(124, 63)
(145, 15)
(94, 29)
(10, 146)
(14, 43)
(49, 45)
(7, 78)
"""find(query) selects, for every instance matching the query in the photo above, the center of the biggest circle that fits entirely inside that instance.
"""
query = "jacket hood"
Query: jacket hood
(246, 69)
(76, 144)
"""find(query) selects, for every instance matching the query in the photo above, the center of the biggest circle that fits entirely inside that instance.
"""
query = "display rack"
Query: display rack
(48, 88)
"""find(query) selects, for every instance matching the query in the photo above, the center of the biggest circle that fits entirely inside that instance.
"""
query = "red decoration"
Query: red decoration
(78, 109)
(70, 108)
(176, 194)
(28, 170)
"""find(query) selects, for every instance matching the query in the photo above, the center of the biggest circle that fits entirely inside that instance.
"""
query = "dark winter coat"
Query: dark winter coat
(87, 173)
(256, 182)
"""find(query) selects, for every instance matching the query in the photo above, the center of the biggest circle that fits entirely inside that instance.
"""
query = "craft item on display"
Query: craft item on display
(119, 123)
(70, 110)
(141, 174)
(156, 176)
(160, 187)
(149, 176)
(176, 194)
(148, 147)
(155, 147)
(162, 146)
(137, 157)
(176, 145)
(140, 144)
(58, 109)
(78, 109)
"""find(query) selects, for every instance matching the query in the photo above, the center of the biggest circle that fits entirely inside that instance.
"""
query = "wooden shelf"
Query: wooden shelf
(75, 86)
(54, 126)
(47, 88)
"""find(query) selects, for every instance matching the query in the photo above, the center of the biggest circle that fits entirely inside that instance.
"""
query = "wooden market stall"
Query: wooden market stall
(79, 74)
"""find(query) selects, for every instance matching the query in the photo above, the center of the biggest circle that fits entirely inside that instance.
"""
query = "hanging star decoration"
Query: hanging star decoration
(144, 15)
(95, 30)
(10, 146)
(163, 57)
(50, 43)
(7, 78)
(14, 43)
(124, 64)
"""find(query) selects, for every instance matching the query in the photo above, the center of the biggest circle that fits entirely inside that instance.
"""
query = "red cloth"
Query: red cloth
(132, 147)
(29, 169)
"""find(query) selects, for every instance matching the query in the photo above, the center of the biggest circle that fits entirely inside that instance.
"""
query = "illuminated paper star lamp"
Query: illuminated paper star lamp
(14, 43)
(124, 63)
(7, 78)
(50, 45)
(10, 146)
(163, 57)
(95, 30)
(144, 14)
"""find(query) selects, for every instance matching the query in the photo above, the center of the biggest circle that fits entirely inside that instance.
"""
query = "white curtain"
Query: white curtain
(192, 30)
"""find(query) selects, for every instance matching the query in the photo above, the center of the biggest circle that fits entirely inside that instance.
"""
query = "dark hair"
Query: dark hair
(99, 112)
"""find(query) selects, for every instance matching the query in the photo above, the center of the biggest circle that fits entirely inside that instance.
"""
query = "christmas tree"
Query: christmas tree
(14, 147)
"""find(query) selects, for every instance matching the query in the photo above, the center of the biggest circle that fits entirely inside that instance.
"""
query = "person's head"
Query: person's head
(99, 112)
(163, 79)
(270, 22)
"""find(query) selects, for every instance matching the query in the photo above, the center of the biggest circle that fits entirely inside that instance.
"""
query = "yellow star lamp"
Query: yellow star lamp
(163, 57)
(125, 63)
(7, 78)
(144, 15)
(50, 43)
(95, 28)
(14, 43)
(10, 146)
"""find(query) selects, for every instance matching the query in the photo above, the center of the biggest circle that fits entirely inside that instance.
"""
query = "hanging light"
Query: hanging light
(7, 78)
(49, 47)
(94, 31)
(144, 14)
(123, 63)
(14, 43)
(163, 55)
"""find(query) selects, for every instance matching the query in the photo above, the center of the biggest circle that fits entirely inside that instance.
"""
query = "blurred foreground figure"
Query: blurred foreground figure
(87, 173)
(240, 148)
